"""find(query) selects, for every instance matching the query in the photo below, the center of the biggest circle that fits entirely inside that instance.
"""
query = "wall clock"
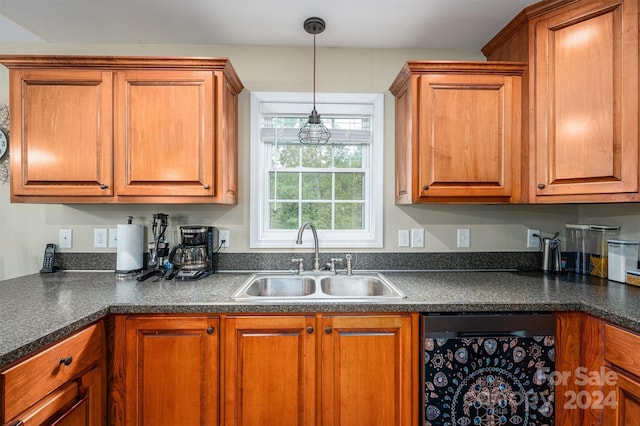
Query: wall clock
(4, 142)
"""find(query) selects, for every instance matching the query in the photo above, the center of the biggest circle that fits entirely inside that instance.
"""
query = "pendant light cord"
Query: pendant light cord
(314, 71)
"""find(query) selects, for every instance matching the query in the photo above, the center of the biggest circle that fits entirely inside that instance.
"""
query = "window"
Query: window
(337, 186)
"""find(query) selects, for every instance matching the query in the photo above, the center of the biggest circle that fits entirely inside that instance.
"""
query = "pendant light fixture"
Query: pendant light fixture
(314, 132)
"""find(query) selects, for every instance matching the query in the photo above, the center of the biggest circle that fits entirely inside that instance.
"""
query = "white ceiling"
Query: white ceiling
(449, 24)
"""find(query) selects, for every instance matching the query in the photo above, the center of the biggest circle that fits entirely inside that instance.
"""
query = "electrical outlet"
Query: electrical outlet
(417, 238)
(100, 238)
(65, 238)
(113, 237)
(403, 238)
(464, 237)
(533, 241)
(223, 238)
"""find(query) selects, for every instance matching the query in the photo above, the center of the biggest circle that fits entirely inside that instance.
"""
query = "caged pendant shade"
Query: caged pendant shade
(314, 132)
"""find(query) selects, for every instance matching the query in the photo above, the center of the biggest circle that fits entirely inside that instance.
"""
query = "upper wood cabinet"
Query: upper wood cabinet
(458, 132)
(61, 133)
(580, 132)
(123, 129)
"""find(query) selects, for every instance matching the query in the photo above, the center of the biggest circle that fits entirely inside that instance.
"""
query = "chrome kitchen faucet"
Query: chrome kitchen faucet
(316, 258)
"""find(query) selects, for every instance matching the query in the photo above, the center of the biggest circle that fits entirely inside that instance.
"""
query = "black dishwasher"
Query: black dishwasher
(488, 369)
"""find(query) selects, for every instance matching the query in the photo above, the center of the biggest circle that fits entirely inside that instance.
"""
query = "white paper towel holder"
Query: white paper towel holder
(129, 256)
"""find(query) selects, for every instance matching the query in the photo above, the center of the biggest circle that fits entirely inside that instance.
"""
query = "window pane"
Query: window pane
(316, 186)
(284, 215)
(349, 156)
(283, 186)
(318, 213)
(349, 216)
(286, 156)
(316, 156)
(349, 186)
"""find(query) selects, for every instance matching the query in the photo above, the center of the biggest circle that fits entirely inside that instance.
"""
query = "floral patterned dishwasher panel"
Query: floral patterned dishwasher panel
(489, 381)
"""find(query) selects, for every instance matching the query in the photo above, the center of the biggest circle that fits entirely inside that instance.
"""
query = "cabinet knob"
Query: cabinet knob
(205, 186)
(328, 330)
(103, 186)
(309, 329)
(425, 187)
(541, 185)
(210, 330)
(66, 361)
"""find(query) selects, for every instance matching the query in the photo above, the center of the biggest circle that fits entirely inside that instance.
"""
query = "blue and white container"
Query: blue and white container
(623, 255)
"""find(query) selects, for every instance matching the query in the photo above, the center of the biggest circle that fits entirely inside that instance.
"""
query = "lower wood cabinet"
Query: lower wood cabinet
(286, 369)
(622, 382)
(63, 385)
(270, 375)
(171, 371)
(597, 372)
(327, 369)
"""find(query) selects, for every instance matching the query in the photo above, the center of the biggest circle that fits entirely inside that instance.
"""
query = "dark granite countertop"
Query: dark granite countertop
(38, 309)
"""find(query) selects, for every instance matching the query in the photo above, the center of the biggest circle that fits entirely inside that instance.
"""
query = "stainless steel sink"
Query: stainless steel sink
(277, 286)
(317, 286)
(354, 286)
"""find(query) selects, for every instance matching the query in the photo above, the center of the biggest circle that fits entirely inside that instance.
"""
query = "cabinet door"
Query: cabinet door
(586, 101)
(164, 142)
(468, 126)
(269, 370)
(171, 371)
(621, 400)
(367, 366)
(61, 133)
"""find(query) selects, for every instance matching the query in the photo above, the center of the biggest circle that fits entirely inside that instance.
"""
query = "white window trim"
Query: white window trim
(372, 235)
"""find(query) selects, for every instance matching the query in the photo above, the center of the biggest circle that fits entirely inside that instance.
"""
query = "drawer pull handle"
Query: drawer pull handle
(210, 330)
(205, 186)
(425, 187)
(328, 330)
(66, 361)
(541, 185)
(103, 186)
(309, 329)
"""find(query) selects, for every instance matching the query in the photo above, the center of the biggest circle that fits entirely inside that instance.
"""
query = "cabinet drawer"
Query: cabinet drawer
(29, 381)
(46, 409)
(621, 349)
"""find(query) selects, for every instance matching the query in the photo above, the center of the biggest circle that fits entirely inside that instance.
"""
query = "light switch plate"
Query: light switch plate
(65, 238)
(417, 238)
(100, 239)
(223, 238)
(464, 237)
(113, 237)
(403, 238)
(532, 240)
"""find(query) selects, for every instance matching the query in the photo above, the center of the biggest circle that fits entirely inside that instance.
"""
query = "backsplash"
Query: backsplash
(382, 261)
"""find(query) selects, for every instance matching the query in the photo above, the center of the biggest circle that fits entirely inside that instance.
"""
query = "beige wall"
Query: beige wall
(26, 228)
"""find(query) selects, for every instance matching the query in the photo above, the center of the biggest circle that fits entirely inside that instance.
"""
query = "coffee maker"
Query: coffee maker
(193, 257)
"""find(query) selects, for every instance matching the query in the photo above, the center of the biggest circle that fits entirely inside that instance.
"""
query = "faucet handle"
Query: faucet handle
(332, 264)
(300, 264)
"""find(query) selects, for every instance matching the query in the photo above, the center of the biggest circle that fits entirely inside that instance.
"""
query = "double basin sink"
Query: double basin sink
(317, 286)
